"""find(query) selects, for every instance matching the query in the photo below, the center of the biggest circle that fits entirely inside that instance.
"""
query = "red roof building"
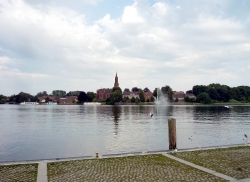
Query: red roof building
(180, 95)
(104, 93)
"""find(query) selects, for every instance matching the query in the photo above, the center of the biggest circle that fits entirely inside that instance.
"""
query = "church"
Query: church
(104, 93)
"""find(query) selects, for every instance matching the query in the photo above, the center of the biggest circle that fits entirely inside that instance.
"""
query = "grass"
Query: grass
(233, 161)
(131, 168)
(19, 172)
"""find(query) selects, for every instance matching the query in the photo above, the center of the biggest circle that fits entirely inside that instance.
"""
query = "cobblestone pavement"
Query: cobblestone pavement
(233, 161)
(133, 168)
(19, 172)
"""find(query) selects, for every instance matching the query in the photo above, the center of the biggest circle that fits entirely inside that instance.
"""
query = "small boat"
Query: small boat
(51, 103)
(92, 103)
(229, 107)
(29, 103)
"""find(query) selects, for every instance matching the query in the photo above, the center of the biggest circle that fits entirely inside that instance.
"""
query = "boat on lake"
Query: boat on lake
(29, 103)
(91, 103)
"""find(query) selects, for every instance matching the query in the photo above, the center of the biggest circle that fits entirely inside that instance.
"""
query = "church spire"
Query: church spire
(116, 81)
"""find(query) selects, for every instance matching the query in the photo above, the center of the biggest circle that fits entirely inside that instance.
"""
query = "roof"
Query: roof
(179, 92)
(106, 90)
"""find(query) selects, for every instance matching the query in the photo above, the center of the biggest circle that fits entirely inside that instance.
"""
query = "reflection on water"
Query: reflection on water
(116, 110)
(45, 132)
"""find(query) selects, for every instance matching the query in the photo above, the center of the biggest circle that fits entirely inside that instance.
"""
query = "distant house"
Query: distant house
(191, 96)
(68, 100)
(42, 101)
(180, 95)
(130, 95)
(148, 95)
(103, 93)
(52, 98)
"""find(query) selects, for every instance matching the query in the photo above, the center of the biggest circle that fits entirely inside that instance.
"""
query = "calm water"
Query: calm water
(46, 132)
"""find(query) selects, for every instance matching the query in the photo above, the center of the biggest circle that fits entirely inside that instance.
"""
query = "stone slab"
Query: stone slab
(201, 168)
(42, 172)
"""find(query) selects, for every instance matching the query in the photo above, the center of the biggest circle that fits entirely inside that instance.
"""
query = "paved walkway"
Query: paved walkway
(201, 168)
(244, 180)
(42, 169)
(42, 172)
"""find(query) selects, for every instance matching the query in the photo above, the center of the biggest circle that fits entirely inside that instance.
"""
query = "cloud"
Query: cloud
(4, 60)
(130, 15)
(148, 44)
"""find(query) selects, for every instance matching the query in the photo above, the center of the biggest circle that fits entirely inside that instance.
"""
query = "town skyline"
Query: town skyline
(47, 45)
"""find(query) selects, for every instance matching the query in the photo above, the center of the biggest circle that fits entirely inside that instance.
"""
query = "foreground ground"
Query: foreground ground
(137, 168)
(20, 172)
(232, 162)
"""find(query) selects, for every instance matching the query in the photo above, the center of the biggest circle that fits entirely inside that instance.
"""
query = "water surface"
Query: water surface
(30, 132)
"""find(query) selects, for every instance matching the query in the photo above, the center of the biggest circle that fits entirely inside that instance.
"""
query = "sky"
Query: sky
(48, 45)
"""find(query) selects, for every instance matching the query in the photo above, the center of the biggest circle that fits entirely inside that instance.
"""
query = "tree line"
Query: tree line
(215, 92)
(26, 97)
(205, 94)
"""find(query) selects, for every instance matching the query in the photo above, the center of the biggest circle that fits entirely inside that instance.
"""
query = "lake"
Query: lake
(32, 132)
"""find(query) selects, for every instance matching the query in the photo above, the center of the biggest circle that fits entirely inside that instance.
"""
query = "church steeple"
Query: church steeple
(116, 81)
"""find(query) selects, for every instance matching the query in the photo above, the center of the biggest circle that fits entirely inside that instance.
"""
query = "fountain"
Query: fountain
(160, 100)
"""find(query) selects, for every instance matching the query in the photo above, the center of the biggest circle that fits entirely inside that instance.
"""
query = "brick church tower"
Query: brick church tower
(116, 81)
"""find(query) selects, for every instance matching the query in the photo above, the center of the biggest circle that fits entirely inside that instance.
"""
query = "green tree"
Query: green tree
(34, 99)
(189, 92)
(2, 99)
(133, 100)
(204, 98)
(176, 99)
(12, 98)
(83, 97)
(197, 89)
(168, 90)
(60, 93)
(116, 88)
(141, 96)
(155, 92)
(212, 92)
(116, 96)
(23, 97)
(44, 93)
(135, 89)
(73, 93)
(152, 99)
(188, 99)
(47, 99)
(91, 96)
(126, 90)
